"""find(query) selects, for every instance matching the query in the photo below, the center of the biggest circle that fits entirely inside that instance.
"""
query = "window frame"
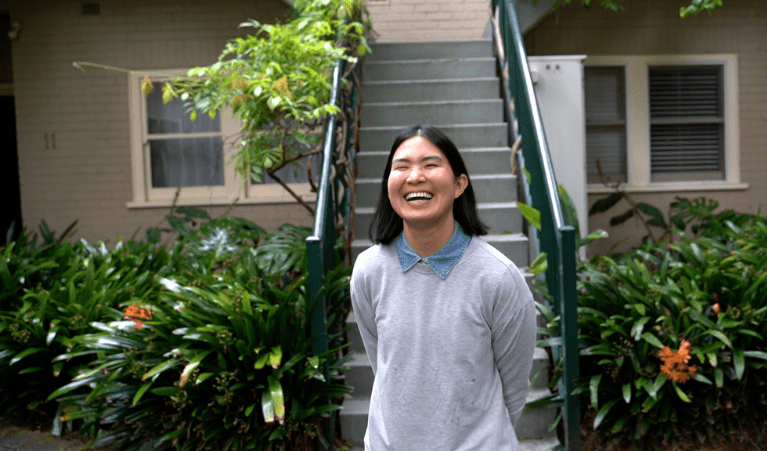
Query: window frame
(232, 191)
(636, 70)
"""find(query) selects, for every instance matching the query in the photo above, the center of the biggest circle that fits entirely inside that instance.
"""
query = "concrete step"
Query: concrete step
(424, 50)
(512, 245)
(499, 217)
(429, 69)
(482, 160)
(462, 135)
(353, 334)
(534, 423)
(539, 374)
(359, 376)
(423, 90)
(543, 444)
(487, 188)
(354, 419)
(434, 112)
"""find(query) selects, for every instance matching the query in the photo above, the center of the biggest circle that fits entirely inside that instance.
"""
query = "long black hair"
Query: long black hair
(387, 225)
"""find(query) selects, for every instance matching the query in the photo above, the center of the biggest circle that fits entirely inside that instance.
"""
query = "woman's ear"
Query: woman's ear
(461, 183)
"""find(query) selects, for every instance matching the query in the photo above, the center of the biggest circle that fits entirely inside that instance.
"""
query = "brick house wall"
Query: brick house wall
(428, 20)
(86, 174)
(652, 27)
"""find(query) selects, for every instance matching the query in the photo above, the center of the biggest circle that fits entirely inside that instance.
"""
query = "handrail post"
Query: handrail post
(571, 350)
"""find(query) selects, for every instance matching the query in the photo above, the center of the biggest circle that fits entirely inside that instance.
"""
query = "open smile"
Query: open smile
(419, 196)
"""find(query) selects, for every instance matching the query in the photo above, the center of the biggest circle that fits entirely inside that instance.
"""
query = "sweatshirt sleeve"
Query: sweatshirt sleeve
(364, 315)
(513, 338)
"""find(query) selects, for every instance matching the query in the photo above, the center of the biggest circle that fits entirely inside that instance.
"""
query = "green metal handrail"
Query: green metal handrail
(555, 238)
(334, 199)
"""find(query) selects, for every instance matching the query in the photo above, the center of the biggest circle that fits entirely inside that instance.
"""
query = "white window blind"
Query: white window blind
(686, 123)
(182, 152)
(605, 98)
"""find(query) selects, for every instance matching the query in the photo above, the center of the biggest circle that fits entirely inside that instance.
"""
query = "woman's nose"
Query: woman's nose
(415, 175)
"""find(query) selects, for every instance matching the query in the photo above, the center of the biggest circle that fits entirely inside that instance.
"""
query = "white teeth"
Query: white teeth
(421, 195)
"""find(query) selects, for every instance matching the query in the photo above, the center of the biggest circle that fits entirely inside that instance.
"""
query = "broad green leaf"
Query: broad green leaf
(193, 364)
(141, 392)
(275, 357)
(160, 368)
(261, 361)
(541, 264)
(755, 354)
(604, 204)
(657, 385)
(719, 377)
(603, 412)
(657, 217)
(165, 391)
(722, 337)
(594, 390)
(278, 399)
(636, 330)
(26, 353)
(680, 393)
(267, 407)
(701, 378)
(739, 362)
(249, 410)
(650, 338)
(532, 215)
(627, 393)
(593, 236)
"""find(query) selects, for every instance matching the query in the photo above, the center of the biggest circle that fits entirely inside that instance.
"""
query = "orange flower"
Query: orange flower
(136, 314)
(675, 363)
(715, 308)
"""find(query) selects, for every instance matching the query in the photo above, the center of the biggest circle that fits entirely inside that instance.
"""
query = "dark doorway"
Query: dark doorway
(10, 208)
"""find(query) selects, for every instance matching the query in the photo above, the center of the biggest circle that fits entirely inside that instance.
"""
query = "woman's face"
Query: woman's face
(422, 186)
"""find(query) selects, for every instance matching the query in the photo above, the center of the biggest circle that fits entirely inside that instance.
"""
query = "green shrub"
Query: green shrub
(52, 292)
(706, 297)
(219, 358)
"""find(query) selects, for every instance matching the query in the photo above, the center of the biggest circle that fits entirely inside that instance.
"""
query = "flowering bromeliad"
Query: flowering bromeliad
(675, 363)
(136, 314)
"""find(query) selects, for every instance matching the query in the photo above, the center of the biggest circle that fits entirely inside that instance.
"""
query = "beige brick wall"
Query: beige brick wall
(87, 176)
(428, 20)
(654, 27)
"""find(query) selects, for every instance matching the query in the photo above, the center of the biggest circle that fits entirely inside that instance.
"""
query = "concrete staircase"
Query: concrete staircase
(452, 85)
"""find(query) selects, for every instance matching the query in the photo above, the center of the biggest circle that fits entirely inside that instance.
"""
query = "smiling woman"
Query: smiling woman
(387, 224)
(447, 320)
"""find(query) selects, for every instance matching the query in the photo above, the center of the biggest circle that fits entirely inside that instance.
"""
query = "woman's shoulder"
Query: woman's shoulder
(373, 257)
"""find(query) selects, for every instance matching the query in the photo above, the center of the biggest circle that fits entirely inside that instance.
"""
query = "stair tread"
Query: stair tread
(427, 80)
(432, 102)
(399, 127)
(479, 59)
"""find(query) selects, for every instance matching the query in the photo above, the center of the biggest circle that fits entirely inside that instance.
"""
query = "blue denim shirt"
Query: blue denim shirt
(442, 261)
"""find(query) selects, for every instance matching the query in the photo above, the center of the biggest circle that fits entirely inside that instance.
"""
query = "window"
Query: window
(662, 122)
(172, 154)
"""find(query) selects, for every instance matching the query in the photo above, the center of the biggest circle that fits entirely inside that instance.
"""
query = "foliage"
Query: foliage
(695, 6)
(277, 82)
(673, 335)
(681, 213)
(201, 342)
(51, 292)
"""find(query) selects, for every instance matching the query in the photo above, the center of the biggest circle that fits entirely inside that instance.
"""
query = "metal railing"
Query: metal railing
(555, 237)
(334, 208)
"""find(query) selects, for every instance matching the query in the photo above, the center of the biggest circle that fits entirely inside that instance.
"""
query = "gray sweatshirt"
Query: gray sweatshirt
(451, 357)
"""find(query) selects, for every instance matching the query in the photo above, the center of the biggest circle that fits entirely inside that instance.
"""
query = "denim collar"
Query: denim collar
(442, 261)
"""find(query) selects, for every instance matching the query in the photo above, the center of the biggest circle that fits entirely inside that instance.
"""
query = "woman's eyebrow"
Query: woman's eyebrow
(407, 160)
